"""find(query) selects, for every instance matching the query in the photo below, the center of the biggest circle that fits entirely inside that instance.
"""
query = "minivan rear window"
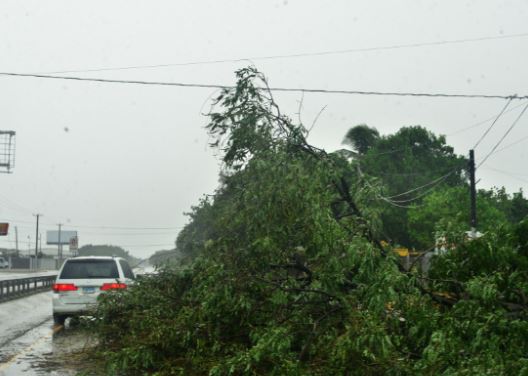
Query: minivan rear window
(86, 269)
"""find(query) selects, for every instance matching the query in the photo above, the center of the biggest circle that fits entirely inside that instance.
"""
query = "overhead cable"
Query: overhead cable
(70, 225)
(424, 193)
(146, 245)
(303, 54)
(276, 89)
(386, 199)
(482, 122)
(414, 206)
(503, 136)
(512, 144)
(166, 233)
(492, 124)
(515, 176)
(432, 182)
(124, 228)
(506, 172)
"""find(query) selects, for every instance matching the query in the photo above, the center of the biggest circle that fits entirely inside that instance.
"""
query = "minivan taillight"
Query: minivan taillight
(58, 287)
(113, 286)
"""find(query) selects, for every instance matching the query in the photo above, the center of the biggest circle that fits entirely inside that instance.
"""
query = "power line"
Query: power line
(512, 144)
(482, 122)
(507, 172)
(124, 228)
(14, 205)
(432, 182)
(303, 54)
(390, 151)
(398, 203)
(277, 89)
(504, 136)
(70, 225)
(128, 233)
(147, 245)
(512, 175)
(119, 245)
(424, 193)
(492, 124)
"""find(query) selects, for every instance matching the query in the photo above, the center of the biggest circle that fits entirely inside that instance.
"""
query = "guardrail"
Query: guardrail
(15, 288)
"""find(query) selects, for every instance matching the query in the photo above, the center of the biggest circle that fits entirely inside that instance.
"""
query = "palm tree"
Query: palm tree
(361, 138)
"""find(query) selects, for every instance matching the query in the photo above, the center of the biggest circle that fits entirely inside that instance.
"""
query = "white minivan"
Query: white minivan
(82, 279)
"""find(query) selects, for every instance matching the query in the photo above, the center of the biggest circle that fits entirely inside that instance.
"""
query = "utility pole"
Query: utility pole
(473, 194)
(59, 246)
(37, 240)
(16, 240)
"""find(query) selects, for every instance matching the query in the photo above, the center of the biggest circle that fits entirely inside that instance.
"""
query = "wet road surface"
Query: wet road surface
(31, 345)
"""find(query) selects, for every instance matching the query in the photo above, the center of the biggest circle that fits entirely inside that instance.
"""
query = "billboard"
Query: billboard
(4, 227)
(52, 237)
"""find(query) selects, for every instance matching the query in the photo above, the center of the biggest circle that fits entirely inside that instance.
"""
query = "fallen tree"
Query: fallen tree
(288, 277)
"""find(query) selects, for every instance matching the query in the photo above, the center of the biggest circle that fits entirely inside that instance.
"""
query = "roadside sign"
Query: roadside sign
(74, 243)
(4, 227)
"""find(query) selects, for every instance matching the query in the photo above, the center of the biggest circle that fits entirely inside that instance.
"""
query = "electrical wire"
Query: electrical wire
(424, 193)
(146, 245)
(14, 206)
(492, 124)
(482, 122)
(512, 144)
(70, 225)
(168, 233)
(506, 173)
(432, 182)
(503, 136)
(386, 199)
(390, 151)
(124, 228)
(303, 54)
(276, 89)
(399, 205)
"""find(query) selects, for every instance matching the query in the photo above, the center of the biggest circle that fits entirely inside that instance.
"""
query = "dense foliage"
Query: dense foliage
(415, 157)
(285, 275)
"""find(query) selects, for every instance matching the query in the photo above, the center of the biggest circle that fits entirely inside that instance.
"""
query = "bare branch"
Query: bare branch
(301, 101)
(316, 118)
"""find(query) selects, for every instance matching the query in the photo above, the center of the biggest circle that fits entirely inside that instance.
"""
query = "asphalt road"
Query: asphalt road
(29, 342)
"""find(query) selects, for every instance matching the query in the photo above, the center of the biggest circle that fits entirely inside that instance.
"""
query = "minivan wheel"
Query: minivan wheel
(59, 319)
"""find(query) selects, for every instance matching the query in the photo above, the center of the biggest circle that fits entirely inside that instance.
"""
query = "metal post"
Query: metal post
(37, 241)
(473, 194)
(59, 246)
(16, 241)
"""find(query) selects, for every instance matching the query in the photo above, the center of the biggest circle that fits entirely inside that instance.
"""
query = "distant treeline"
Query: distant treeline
(164, 256)
(107, 250)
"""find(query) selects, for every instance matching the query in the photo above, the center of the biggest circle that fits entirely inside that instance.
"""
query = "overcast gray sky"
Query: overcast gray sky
(95, 155)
